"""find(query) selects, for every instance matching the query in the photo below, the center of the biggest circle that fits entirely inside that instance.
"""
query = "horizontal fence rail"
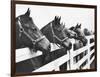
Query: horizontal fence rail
(24, 53)
(68, 57)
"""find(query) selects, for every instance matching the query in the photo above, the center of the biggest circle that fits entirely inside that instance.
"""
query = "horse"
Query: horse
(55, 33)
(80, 40)
(29, 35)
(87, 32)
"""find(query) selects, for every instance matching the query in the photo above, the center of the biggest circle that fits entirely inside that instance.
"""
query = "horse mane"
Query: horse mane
(46, 26)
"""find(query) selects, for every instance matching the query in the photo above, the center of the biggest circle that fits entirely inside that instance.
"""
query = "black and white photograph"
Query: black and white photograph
(54, 38)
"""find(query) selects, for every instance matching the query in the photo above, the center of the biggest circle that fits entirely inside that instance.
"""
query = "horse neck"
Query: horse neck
(47, 31)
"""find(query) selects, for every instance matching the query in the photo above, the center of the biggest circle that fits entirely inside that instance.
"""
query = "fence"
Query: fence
(69, 58)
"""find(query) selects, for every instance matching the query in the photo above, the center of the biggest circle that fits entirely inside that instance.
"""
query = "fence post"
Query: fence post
(71, 60)
(68, 62)
(88, 59)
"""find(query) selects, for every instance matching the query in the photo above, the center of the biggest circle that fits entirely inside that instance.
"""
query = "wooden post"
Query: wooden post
(88, 53)
(71, 62)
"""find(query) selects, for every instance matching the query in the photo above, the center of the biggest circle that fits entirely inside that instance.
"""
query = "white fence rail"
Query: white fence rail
(25, 54)
(78, 51)
(54, 65)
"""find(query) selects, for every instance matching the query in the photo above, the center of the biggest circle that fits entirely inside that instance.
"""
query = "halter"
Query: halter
(21, 29)
(54, 36)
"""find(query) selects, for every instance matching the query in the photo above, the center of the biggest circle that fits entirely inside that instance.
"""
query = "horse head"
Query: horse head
(28, 34)
(59, 33)
(87, 32)
(80, 33)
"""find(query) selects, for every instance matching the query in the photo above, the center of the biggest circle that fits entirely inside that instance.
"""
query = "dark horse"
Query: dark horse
(28, 35)
(55, 34)
(87, 32)
(58, 34)
(80, 41)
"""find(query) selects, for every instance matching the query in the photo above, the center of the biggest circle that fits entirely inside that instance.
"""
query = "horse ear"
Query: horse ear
(76, 25)
(55, 17)
(28, 12)
(59, 18)
(80, 26)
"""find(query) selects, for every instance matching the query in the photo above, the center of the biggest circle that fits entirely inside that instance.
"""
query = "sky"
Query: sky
(42, 15)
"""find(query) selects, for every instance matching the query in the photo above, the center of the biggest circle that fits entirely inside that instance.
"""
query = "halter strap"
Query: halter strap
(57, 36)
(22, 30)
